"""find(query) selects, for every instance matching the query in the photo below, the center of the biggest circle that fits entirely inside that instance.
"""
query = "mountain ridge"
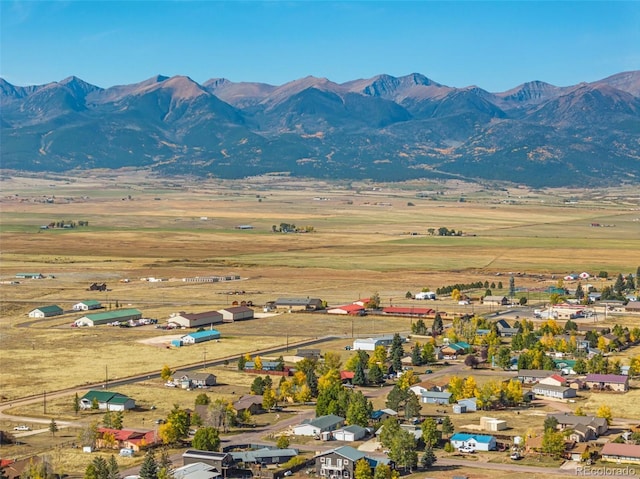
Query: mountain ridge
(381, 128)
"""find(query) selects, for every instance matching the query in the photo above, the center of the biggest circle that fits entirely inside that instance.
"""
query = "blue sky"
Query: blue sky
(494, 45)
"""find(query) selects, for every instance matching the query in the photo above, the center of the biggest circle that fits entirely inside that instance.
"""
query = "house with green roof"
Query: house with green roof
(46, 311)
(107, 400)
(87, 305)
(117, 315)
(341, 462)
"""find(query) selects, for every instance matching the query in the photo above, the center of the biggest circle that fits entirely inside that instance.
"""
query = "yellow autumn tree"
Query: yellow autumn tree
(258, 363)
(328, 379)
(407, 380)
(470, 388)
(456, 383)
(605, 412)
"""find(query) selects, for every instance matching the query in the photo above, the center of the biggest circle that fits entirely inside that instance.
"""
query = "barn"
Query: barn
(236, 313)
(46, 311)
(119, 315)
(201, 336)
(196, 320)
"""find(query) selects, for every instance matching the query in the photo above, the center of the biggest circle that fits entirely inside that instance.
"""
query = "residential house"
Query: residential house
(341, 462)
(627, 453)
(439, 385)
(249, 402)
(530, 376)
(201, 336)
(350, 433)
(196, 320)
(118, 315)
(370, 344)
(192, 379)
(453, 350)
(309, 353)
(435, 397)
(17, 469)
(299, 304)
(236, 313)
(110, 401)
(196, 470)
(469, 404)
(221, 461)
(315, 427)
(632, 307)
(556, 392)
(265, 456)
(126, 439)
(495, 300)
(382, 414)
(46, 311)
(350, 309)
(570, 421)
(505, 329)
(479, 442)
(30, 275)
(579, 451)
(87, 305)
(607, 382)
(553, 380)
(583, 433)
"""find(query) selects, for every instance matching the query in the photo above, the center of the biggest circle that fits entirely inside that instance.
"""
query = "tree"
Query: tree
(504, 357)
(53, 427)
(605, 412)
(550, 423)
(403, 450)
(117, 419)
(618, 286)
(282, 442)
(268, 398)
(113, 470)
(428, 353)
(553, 443)
(447, 426)
(166, 373)
(362, 470)
(472, 361)
(580, 367)
(390, 427)
(396, 352)
(375, 375)
(149, 467)
(221, 414)
(176, 427)
(412, 406)
(437, 326)
(76, 404)
(428, 458)
(202, 399)
(512, 286)
(257, 363)
(374, 301)
(94, 403)
(242, 362)
(206, 439)
(358, 410)
(359, 379)
(430, 433)
(165, 467)
(416, 355)
(382, 471)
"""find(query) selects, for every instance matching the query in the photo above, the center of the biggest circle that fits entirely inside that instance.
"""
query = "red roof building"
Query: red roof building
(125, 438)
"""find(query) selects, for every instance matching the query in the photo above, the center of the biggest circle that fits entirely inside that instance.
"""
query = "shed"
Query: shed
(201, 336)
(350, 433)
(46, 311)
(236, 313)
(435, 397)
(196, 320)
(492, 424)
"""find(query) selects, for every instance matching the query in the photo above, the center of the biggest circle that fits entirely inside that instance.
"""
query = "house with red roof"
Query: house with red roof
(351, 309)
(621, 453)
(109, 438)
(554, 380)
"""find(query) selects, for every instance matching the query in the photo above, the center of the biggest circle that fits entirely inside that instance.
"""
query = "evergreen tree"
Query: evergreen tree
(512, 286)
(375, 375)
(358, 410)
(437, 327)
(618, 287)
(630, 284)
(113, 470)
(396, 352)
(76, 404)
(242, 362)
(149, 467)
(579, 292)
(447, 426)
(53, 427)
(117, 419)
(416, 355)
(412, 406)
(165, 467)
(428, 458)
(359, 379)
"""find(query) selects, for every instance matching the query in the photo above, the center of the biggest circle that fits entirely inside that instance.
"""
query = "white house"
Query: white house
(350, 433)
(107, 400)
(315, 427)
(478, 442)
(553, 380)
(557, 392)
(46, 311)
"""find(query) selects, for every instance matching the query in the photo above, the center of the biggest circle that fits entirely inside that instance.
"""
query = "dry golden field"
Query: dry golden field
(367, 238)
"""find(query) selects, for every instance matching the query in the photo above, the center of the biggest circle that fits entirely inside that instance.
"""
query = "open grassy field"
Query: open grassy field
(366, 239)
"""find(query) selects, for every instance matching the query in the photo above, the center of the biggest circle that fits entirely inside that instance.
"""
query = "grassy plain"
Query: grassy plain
(367, 238)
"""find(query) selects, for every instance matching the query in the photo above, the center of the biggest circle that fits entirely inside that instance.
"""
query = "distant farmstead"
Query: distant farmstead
(299, 304)
(30, 275)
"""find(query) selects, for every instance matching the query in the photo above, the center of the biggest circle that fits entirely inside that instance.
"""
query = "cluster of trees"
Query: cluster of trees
(373, 364)
(68, 224)
(257, 363)
(291, 228)
(100, 468)
(156, 468)
(490, 395)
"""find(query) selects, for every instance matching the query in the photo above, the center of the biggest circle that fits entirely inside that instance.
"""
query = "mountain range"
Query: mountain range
(384, 128)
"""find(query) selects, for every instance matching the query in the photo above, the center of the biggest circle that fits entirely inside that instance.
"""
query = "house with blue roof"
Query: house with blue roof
(201, 336)
(478, 442)
(341, 462)
(435, 397)
(319, 425)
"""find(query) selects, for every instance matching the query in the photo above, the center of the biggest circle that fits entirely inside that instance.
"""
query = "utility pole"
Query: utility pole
(44, 402)
(106, 376)
(204, 363)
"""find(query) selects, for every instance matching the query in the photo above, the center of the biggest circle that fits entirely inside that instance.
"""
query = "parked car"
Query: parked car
(516, 456)
(159, 421)
(22, 428)
(428, 371)
(467, 449)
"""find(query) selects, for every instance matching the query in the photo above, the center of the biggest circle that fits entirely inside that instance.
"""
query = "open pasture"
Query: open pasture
(365, 239)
